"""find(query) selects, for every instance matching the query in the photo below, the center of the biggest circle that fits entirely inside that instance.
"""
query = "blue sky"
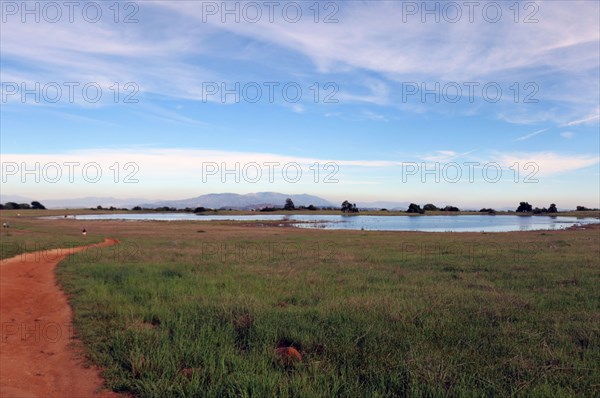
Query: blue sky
(393, 102)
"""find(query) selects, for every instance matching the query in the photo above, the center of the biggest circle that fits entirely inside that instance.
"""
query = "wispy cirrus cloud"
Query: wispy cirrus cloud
(531, 135)
(381, 44)
(587, 120)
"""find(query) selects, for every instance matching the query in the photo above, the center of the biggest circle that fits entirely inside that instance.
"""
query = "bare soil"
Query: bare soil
(39, 354)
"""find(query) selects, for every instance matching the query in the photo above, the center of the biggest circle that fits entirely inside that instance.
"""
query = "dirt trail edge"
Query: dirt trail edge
(37, 354)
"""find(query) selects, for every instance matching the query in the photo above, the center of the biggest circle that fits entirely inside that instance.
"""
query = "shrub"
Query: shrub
(450, 208)
(430, 207)
(489, 211)
(414, 208)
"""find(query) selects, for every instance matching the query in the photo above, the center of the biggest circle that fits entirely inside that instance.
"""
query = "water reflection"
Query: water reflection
(455, 223)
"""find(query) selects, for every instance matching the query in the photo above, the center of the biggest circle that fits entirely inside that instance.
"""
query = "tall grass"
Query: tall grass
(373, 314)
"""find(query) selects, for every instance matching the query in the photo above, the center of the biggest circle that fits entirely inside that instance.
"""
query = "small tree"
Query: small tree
(311, 207)
(524, 207)
(346, 206)
(430, 207)
(289, 204)
(200, 209)
(552, 208)
(37, 205)
(11, 206)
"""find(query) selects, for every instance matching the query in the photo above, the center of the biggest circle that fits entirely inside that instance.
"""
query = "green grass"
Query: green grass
(24, 238)
(197, 309)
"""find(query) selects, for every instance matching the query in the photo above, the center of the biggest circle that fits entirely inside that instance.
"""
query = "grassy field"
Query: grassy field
(192, 309)
(27, 235)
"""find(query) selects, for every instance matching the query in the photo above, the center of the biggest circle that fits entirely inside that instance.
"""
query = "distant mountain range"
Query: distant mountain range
(213, 201)
(242, 202)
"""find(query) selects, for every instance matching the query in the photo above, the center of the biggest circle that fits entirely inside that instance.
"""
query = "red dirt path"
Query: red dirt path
(37, 354)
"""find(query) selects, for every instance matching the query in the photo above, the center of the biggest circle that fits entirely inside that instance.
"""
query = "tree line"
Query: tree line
(35, 205)
(525, 207)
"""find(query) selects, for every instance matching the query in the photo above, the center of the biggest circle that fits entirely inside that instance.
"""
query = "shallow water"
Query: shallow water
(457, 223)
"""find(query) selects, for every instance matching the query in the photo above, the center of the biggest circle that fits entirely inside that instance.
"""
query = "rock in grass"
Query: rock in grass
(288, 355)
(188, 373)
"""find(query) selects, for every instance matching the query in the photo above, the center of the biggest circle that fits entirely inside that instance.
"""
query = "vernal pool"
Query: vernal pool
(457, 223)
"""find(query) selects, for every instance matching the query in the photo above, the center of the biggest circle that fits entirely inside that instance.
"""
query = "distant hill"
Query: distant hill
(241, 202)
(213, 201)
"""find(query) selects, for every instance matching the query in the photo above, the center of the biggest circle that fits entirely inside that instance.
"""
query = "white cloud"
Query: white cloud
(378, 93)
(380, 41)
(548, 163)
(184, 162)
(105, 53)
(181, 161)
(444, 156)
(441, 156)
(175, 173)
